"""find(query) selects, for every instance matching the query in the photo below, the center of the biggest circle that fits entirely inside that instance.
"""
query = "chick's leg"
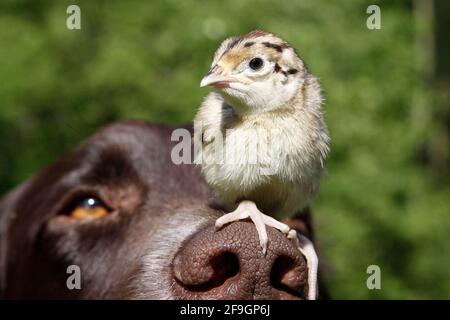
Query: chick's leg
(306, 247)
(247, 209)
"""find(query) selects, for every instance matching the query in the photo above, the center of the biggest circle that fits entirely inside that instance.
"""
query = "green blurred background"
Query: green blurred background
(385, 199)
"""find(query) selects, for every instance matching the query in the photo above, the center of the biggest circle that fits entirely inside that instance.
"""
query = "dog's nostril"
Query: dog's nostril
(225, 266)
(207, 273)
(288, 275)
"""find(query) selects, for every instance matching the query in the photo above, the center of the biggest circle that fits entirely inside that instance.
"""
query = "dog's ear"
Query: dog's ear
(3, 247)
(7, 213)
(5, 204)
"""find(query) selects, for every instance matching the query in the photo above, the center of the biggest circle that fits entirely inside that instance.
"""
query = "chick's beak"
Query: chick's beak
(215, 78)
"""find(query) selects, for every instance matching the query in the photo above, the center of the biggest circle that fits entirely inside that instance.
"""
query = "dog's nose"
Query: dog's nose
(229, 264)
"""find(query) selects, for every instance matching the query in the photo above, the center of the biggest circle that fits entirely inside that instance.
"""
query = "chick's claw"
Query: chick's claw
(306, 247)
(247, 209)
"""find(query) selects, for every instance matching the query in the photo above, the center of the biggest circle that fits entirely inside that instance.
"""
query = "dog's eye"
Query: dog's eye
(89, 208)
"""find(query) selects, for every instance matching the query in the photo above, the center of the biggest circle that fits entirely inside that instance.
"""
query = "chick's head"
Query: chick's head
(256, 72)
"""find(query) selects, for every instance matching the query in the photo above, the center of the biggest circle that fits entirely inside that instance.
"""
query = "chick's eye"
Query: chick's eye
(256, 63)
(89, 208)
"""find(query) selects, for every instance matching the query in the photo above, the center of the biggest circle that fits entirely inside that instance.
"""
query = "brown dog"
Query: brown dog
(150, 231)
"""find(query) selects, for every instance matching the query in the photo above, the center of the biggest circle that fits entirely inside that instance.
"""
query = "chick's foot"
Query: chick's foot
(306, 247)
(247, 209)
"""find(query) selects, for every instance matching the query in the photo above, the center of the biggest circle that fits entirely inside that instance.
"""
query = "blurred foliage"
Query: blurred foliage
(381, 202)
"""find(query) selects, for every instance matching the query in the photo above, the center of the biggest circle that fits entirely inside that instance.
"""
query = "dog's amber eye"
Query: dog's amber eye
(89, 208)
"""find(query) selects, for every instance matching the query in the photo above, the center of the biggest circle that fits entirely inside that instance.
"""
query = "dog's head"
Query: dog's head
(118, 219)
